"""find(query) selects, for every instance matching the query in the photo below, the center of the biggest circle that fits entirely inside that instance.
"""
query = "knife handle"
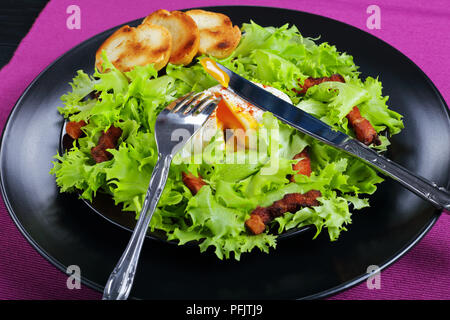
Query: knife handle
(422, 187)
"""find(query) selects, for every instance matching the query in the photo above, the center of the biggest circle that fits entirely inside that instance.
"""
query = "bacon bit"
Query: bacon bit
(73, 129)
(255, 224)
(108, 140)
(310, 82)
(303, 166)
(263, 214)
(291, 202)
(192, 182)
(362, 127)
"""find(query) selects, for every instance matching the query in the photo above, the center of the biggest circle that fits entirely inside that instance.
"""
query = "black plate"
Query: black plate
(64, 230)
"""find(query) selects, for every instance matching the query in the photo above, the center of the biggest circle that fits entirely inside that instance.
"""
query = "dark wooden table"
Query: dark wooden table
(16, 18)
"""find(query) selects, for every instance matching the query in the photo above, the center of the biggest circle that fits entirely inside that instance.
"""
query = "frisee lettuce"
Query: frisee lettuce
(215, 216)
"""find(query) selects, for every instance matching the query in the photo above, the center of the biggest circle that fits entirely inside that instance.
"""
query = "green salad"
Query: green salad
(215, 217)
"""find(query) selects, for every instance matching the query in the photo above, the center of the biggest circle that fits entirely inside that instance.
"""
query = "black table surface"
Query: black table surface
(16, 19)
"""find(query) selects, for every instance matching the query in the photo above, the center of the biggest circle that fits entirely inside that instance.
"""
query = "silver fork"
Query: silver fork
(188, 113)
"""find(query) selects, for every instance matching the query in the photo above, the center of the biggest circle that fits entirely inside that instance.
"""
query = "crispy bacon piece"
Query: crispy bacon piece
(255, 224)
(291, 202)
(73, 128)
(363, 128)
(108, 140)
(192, 182)
(310, 82)
(258, 220)
(263, 213)
(303, 166)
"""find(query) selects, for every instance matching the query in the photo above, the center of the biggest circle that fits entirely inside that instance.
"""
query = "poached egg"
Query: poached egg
(232, 113)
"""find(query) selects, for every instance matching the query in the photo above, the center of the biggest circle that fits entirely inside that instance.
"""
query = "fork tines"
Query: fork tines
(194, 103)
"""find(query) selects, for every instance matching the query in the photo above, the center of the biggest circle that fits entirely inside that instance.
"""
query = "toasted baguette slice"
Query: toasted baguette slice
(184, 31)
(129, 47)
(218, 37)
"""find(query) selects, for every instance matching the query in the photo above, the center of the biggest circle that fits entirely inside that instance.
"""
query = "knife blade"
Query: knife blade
(306, 123)
(283, 110)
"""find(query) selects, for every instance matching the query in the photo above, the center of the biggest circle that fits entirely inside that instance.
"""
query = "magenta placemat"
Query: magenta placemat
(418, 29)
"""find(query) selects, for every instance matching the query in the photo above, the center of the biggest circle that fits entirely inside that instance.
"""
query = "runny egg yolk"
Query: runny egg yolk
(211, 67)
(230, 116)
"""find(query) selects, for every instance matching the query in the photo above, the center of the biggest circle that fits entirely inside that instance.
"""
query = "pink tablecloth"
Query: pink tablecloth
(418, 29)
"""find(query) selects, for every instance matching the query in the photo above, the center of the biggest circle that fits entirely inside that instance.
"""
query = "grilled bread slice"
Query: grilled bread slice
(218, 37)
(184, 31)
(128, 47)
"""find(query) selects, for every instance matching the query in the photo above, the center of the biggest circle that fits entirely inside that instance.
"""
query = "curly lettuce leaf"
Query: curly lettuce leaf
(82, 84)
(222, 227)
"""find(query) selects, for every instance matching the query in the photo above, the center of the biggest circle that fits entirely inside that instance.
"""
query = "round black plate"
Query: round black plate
(64, 230)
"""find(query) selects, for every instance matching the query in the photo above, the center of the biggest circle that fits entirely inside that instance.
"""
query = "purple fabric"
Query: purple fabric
(418, 29)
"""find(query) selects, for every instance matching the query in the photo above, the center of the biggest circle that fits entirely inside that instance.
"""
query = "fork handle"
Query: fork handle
(422, 187)
(121, 279)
